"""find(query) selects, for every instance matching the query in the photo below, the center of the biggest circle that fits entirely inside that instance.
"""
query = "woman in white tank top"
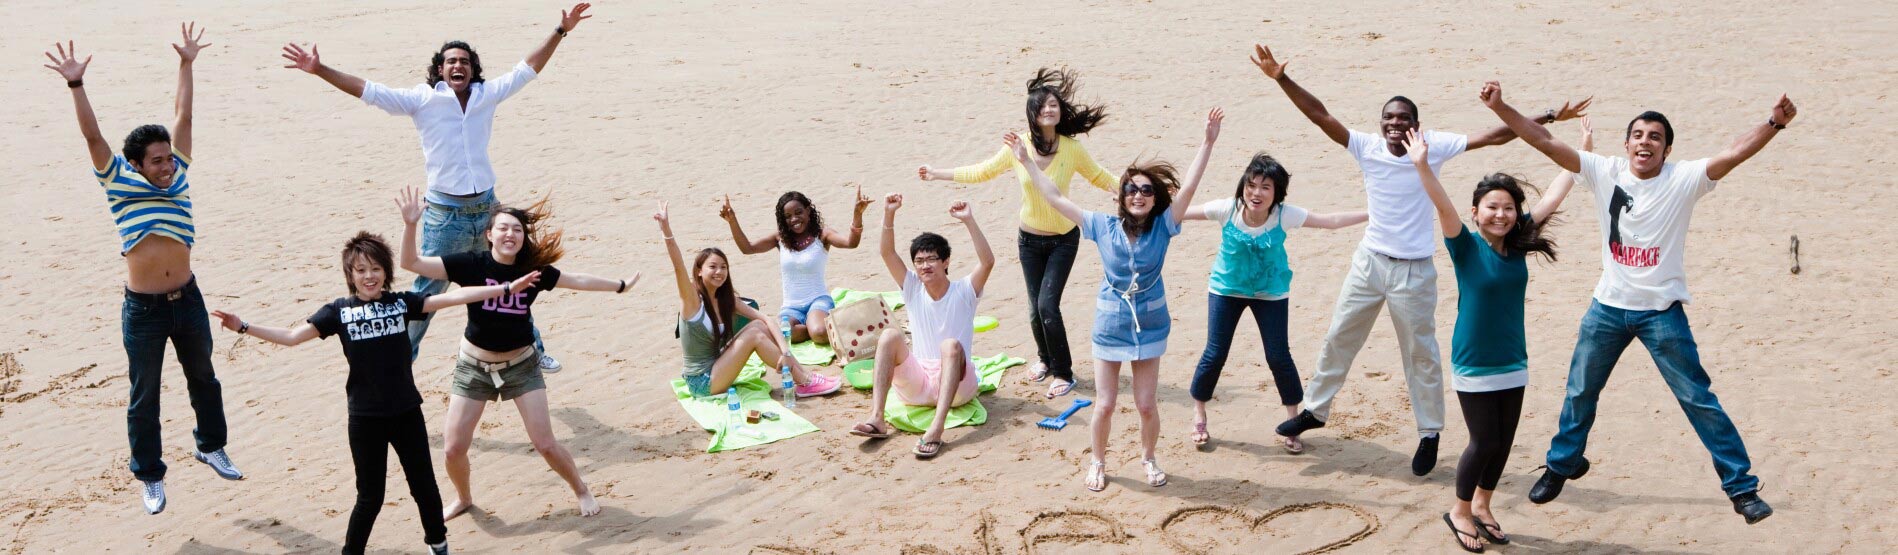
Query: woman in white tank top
(805, 250)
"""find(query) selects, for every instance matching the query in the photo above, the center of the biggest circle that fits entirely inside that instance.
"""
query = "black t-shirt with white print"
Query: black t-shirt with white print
(375, 337)
(503, 323)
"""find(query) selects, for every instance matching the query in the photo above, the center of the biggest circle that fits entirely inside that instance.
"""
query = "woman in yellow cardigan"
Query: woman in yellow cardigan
(1048, 241)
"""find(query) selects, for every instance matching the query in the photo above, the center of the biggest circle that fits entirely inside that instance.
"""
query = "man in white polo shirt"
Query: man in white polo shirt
(454, 113)
(1644, 203)
(1393, 264)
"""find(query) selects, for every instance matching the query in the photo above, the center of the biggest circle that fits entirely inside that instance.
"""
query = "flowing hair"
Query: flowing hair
(725, 297)
(1076, 119)
(1165, 181)
(813, 225)
(1526, 237)
(538, 250)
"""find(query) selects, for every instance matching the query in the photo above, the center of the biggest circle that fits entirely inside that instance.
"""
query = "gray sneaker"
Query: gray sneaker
(438, 548)
(548, 364)
(221, 463)
(154, 492)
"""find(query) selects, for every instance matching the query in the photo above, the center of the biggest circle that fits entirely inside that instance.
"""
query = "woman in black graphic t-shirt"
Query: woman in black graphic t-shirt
(384, 407)
(498, 360)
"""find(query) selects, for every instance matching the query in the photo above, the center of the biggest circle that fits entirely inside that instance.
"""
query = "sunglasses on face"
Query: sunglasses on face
(1136, 188)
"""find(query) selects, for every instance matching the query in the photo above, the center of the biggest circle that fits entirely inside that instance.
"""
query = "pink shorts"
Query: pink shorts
(918, 382)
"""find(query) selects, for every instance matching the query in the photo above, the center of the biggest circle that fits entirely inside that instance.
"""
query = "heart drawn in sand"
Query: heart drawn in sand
(1222, 517)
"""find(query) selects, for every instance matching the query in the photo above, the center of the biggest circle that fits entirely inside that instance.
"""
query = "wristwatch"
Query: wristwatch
(560, 30)
(1776, 125)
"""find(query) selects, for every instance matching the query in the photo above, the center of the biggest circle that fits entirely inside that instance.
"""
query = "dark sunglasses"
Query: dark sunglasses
(1133, 188)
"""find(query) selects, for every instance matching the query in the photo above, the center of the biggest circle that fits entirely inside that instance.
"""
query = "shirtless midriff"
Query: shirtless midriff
(157, 264)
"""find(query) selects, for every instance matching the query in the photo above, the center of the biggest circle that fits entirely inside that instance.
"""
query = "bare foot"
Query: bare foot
(588, 506)
(458, 508)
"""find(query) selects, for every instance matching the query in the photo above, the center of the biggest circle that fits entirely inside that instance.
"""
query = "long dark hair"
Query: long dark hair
(813, 225)
(1165, 181)
(441, 55)
(725, 297)
(1076, 119)
(371, 247)
(1526, 237)
(538, 250)
(1263, 166)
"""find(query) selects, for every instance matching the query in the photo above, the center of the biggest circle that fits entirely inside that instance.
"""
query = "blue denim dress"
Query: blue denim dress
(1130, 315)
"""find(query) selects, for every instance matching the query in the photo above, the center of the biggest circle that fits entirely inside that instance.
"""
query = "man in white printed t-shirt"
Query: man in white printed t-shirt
(1393, 264)
(1644, 203)
(934, 370)
(454, 113)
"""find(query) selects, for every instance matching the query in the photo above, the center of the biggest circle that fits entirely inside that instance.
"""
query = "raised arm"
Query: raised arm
(1754, 140)
(1183, 201)
(568, 20)
(288, 337)
(1559, 190)
(984, 257)
(855, 237)
(688, 299)
(426, 266)
(1503, 134)
(1529, 130)
(1306, 103)
(310, 62)
(1419, 152)
(1061, 204)
(187, 53)
(74, 71)
(1336, 220)
(589, 282)
(886, 245)
(745, 245)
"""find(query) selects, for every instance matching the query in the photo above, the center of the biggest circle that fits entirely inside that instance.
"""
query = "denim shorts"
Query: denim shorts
(801, 313)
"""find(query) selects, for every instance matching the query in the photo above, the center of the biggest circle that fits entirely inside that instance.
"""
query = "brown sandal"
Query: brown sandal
(869, 430)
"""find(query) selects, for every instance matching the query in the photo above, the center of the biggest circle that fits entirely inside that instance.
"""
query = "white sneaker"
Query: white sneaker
(548, 364)
(154, 496)
(221, 463)
(438, 549)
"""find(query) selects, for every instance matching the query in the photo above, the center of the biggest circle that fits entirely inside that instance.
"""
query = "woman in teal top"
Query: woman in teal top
(1252, 272)
(1489, 353)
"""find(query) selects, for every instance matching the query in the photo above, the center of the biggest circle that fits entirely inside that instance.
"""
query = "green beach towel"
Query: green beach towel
(914, 419)
(754, 393)
(843, 296)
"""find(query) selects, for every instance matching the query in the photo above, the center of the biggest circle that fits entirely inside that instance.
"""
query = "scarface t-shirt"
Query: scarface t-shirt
(375, 337)
(503, 323)
(1643, 229)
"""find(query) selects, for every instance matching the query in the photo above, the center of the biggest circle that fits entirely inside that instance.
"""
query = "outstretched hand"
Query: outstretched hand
(1588, 134)
(228, 320)
(1783, 111)
(892, 201)
(1416, 148)
(1213, 118)
(411, 205)
(1572, 110)
(571, 19)
(960, 210)
(1016, 145)
(189, 51)
(1491, 95)
(67, 66)
(922, 172)
(308, 61)
(1262, 57)
(522, 283)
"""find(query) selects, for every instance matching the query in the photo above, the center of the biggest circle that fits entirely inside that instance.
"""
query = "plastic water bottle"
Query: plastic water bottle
(731, 402)
(790, 386)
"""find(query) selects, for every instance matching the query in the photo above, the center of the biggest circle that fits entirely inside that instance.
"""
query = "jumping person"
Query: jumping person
(1643, 289)
(1130, 313)
(454, 113)
(385, 409)
(1253, 272)
(935, 370)
(1392, 265)
(1489, 354)
(716, 348)
(1048, 241)
(150, 199)
(497, 361)
(803, 245)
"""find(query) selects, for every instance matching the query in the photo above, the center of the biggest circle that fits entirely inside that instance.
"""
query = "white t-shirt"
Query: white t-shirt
(1403, 221)
(933, 320)
(1218, 210)
(1643, 229)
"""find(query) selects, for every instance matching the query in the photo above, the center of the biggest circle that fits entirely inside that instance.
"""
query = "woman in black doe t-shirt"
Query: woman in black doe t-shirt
(385, 409)
(498, 361)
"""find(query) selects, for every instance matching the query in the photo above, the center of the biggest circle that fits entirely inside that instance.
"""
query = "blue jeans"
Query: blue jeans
(451, 225)
(1222, 317)
(148, 321)
(1606, 332)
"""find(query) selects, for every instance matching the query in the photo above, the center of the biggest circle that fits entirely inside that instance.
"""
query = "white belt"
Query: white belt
(494, 368)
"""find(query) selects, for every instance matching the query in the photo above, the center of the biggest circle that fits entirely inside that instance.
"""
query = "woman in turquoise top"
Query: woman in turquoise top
(1130, 315)
(1252, 272)
(1489, 353)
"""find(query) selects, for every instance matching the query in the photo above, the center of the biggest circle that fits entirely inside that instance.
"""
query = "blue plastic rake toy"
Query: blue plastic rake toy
(1056, 423)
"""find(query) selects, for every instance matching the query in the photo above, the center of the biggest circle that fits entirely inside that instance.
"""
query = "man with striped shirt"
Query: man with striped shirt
(150, 200)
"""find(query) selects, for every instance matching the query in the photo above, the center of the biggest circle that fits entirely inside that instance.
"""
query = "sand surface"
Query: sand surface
(689, 101)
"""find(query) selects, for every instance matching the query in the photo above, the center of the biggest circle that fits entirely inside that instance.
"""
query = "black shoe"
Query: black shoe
(1426, 457)
(1550, 485)
(1300, 424)
(1750, 505)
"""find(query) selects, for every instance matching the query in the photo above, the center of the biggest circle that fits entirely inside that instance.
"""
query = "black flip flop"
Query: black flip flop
(1484, 527)
(1461, 534)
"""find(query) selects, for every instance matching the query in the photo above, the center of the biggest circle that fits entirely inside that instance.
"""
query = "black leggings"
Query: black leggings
(369, 440)
(1491, 417)
(1046, 261)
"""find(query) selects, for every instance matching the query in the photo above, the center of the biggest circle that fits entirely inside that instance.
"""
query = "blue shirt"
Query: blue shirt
(1488, 352)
